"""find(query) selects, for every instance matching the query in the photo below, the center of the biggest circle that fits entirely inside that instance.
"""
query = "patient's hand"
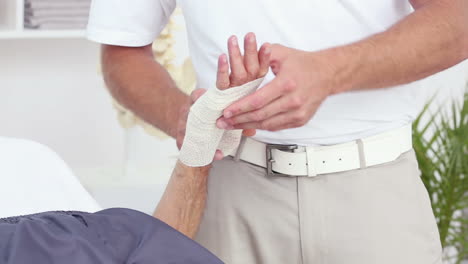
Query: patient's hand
(252, 65)
(240, 70)
(184, 200)
(243, 68)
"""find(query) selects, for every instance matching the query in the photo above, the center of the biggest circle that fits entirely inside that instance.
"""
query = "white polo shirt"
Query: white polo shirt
(302, 24)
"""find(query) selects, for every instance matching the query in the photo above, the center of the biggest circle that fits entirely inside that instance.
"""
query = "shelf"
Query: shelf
(12, 26)
(41, 34)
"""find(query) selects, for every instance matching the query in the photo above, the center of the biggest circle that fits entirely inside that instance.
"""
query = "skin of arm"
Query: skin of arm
(432, 39)
(183, 202)
(429, 40)
(141, 84)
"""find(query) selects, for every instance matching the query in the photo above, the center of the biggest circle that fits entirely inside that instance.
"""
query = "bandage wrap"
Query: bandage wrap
(202, 137)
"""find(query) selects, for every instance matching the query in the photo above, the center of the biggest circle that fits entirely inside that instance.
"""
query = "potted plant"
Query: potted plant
(441, 145)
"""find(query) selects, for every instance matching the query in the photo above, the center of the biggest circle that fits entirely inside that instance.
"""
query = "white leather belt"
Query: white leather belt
(311, 161)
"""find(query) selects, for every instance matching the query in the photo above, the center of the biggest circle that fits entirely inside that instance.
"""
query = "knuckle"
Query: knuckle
(256, 103)
(249, 78)
(294, 122)
(223, 83)
(296, 102)
(242, 77)
(253, 70)
(289, 86)
(274, 129)
(232, 81)
(258, 116)
(239, 78)
(297, 117)
(263, 126)
(301, 118)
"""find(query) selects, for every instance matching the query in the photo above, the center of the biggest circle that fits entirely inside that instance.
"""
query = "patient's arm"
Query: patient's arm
(183, 201)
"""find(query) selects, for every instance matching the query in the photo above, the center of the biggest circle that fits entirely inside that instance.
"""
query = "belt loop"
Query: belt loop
(311, 170)
(362, 156)
(240, 149)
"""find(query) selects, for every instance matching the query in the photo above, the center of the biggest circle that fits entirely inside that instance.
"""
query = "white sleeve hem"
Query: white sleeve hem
(119, 38)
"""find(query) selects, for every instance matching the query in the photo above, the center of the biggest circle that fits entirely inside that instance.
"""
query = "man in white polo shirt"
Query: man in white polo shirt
(330, 176)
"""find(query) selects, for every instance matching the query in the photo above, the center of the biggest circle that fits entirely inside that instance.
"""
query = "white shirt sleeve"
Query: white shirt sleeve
(132, 23)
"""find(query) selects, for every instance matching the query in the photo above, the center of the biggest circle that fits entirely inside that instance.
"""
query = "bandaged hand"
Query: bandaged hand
(235, 80)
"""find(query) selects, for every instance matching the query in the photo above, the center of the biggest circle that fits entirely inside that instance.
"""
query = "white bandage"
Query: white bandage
(202, 137)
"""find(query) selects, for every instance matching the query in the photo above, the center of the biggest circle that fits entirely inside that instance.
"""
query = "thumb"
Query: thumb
(279, 53)
(197, 93)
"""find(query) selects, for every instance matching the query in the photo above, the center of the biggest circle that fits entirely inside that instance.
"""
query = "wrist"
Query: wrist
(324, 70)
(187, 171)
(344, 65)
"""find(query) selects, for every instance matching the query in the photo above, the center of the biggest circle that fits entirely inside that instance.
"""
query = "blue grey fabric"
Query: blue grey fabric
(109, 236)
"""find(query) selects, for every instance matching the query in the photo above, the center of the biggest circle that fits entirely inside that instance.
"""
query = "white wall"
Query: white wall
(51, 92)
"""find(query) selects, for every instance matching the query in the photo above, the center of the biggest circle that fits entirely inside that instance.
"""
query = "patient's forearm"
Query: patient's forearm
(184, 200)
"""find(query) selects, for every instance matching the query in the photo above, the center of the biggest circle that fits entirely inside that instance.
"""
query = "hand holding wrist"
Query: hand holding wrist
(303, 80)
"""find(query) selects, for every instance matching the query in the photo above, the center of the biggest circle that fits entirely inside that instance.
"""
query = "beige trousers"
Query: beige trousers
(377, 215)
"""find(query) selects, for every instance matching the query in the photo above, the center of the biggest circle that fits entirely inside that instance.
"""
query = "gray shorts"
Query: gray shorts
(108, 237)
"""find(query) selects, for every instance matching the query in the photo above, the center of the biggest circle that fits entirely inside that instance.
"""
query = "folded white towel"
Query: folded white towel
(56, 23)
(62, 19)
(56, 1)
(57, 5)
(41, 13)
(57, 26)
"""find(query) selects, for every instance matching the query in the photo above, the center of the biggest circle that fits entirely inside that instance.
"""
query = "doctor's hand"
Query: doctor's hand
(234, 71)
(303, 81)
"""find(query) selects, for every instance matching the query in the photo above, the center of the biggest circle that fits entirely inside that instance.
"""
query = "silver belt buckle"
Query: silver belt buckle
(269, 157)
